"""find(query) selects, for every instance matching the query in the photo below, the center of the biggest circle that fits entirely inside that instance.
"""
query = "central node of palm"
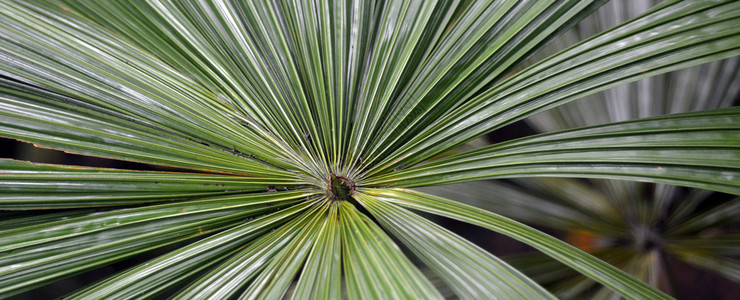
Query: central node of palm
(340, 187)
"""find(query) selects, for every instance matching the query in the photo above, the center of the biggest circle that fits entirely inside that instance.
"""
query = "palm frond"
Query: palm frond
(287, 122)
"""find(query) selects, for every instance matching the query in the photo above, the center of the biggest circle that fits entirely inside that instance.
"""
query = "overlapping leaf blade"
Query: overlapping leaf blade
(643, 214)
(486, 39)
(277, 275)
(219, 206)
(696, 149)
(42, 186)
(321, 277)
(233, 274)
(588, 265)
(655, 43)
(40, 253)
(467, 269)
(374, 266)
(53, 120)
(76, 65)
(287, 93)
(160, 273)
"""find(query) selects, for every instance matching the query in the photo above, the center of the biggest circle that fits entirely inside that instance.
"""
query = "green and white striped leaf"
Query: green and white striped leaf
(321, 276)
(374, 266)
(231, 276)
(179, 265)
(273, 281)
(675, 35)
(24, 185)
(75, 64)
(178, 212)
(696, 149)
(484, 41)
(51, 120)
(251, 96)
(592, 267)
(69, 253)
(468, 270)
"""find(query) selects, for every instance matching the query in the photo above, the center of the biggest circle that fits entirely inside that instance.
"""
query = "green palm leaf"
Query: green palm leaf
(659, 150)
(322, 275)
(566, 254)
(39, 253)
(286, 121)
(632, 51)
(43, 186)
(176, 266)
(457, 261)
(380, 262)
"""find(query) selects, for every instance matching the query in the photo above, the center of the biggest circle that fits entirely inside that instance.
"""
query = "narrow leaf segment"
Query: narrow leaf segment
(588, 265)
(694, 149)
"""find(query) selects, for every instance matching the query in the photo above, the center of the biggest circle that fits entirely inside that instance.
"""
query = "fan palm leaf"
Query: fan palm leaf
(293, 125)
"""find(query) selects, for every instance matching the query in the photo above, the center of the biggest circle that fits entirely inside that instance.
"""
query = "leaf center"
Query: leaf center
(340, 187)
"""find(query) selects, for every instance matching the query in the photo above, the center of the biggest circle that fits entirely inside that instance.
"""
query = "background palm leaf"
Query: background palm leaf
(287, 122)
(636, 226)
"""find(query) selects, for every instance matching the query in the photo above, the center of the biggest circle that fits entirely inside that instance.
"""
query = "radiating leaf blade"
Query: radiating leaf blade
(592, 267)
(374, 266)
(469, 270)
(197, 211)
(25, 185)
(160, 272)
(273, 281)
(484, 41)
(86, 69)
(321, 277)
(653, 44)
(695, 149)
